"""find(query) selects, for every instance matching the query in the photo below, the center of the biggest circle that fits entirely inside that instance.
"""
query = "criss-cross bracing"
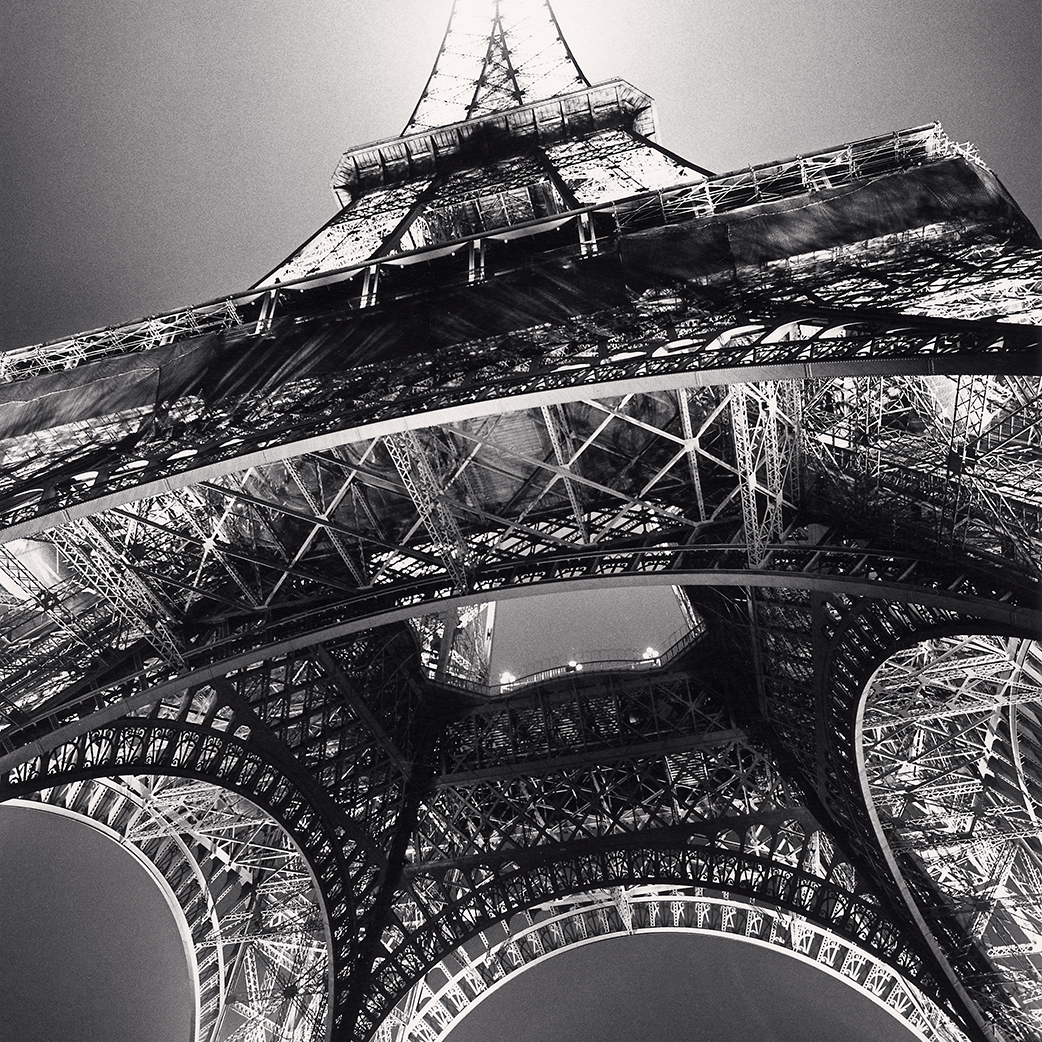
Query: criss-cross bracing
(252, 552)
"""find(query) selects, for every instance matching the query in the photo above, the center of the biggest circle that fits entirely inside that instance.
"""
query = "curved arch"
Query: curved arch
(854, 640)
(227, 589)
(488, 895)
(240, 889)
(941, 588)
(959, 826)
(861, 636)
(840, 570)
(471, 975)
(334, 852)
(833, 344)
(867, 637)
(188, 753)
(843, 641)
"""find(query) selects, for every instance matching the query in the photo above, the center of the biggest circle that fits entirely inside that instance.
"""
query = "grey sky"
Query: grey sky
(88, 948)
(680, 988)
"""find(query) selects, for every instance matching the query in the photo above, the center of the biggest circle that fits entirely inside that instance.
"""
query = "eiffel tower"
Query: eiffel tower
(253, 550)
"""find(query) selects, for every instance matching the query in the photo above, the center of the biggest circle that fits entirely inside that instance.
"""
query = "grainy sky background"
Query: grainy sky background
(669, 987)
(88, 947)
(160, 154)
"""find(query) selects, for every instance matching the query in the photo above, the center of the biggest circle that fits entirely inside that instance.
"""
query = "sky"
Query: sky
(536, 633)
(84, 932)
(160, 154)
(673, 987)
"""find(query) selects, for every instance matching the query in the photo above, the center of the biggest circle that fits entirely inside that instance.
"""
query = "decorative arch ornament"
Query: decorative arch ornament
(256, 931)
(435, 1006)
(262, 863)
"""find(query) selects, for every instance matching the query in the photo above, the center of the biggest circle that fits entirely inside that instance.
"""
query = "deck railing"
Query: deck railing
(859, 161)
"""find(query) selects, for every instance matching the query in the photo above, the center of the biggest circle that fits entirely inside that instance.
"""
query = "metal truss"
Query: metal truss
(487, 64)
(812, 559)
(246, 893)
(235, 545)
(661, 786)
(213, 737)
(441, 999)
(973, 478)
(951, 747)
(672, 732)
(686, 732)
(677, 795)
(536, 352)
(102, 566)
(764, 452)
(591, 359)
(424, 489)
(944, 268)
(858, 638)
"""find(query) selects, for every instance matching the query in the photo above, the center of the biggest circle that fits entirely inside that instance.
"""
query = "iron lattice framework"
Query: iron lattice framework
(251, 548)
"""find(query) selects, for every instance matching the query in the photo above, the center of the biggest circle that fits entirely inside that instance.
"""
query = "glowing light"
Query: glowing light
(649, 653)
(507, 678)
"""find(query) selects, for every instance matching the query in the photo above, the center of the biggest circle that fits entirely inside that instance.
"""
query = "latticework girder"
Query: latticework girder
(293, 538)
(966, 709)
(424, 490)
(252, 550)
(261, 954)
(103, 567)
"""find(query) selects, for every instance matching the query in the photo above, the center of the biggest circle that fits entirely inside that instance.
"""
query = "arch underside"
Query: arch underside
(281, 615)
(650, 779)
(267, 867)
(713, 812)
(247, 896)
(447, 994)
(926, 484)
(949, 742)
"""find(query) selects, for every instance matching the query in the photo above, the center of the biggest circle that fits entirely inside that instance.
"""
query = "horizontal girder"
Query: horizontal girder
(840, 572)
(626, 487)
(123, 463)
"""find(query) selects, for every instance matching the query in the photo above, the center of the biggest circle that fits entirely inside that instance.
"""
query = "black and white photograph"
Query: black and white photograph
(521, 521)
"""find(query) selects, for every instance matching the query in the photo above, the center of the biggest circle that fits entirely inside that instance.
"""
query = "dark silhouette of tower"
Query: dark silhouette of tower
(251, 548)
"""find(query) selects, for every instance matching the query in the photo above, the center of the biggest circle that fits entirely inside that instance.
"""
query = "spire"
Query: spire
(445, 179)
(496, 54)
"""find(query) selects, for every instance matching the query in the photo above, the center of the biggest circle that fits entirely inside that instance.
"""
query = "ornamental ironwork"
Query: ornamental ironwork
(251, 553)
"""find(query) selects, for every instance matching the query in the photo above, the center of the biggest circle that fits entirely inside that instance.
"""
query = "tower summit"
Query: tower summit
(507, 133)
(496, 57)
(252, 551)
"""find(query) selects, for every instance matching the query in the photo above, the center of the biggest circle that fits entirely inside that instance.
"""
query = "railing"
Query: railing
(862, 160)
(984, 578)
(599, 660)
(23, 363)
